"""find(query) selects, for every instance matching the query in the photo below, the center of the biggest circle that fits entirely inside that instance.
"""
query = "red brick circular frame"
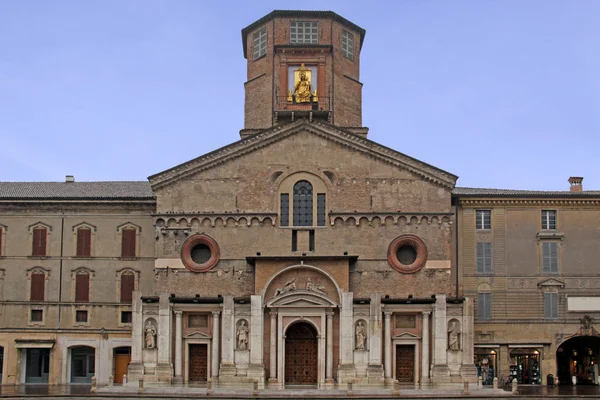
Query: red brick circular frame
(407, 240)
(190, 243)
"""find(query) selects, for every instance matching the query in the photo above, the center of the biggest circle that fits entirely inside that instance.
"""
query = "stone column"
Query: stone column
(375, 368)
(135, 368)
(273, 350)
(256, 369)
(388, 346)
(468, 371)
(178, 345)
(425, 348)
(346, 369)
(214, 367)
(227, 339)
(440, 371)
(329, 367)
(164, 368)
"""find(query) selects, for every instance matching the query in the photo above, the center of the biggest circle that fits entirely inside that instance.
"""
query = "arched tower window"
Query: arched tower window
(303, 204)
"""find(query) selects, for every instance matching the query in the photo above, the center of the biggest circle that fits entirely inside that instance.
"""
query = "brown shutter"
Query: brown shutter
(82, 287)
(38, 286)
(84, 242)
(128, 243)
(39, 242)
(127, 288)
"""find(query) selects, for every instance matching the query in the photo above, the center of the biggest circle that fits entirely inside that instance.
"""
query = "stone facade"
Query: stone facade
(303, 254)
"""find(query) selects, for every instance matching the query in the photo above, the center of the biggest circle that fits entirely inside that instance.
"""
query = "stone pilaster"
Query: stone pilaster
(346, 369)
(273, 349)
(214, 367)
(387, 344)
(164, 368)
(425, 348)
(178, 346)
(136, 368)
(375, 368)
(256, 369)
(329, 366)
(440, 371)
(227, 367)
(468, 371)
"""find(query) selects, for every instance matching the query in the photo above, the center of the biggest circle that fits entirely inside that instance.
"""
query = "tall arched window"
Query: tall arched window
(303, 204)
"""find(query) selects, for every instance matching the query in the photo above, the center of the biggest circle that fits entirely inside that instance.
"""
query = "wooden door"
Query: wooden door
(121, 363)
(405, 364)
(198, 363)
(301, 355)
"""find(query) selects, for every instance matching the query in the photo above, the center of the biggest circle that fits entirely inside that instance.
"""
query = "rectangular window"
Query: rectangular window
(484, 258)
(483, 219)
(39, 242)
(197, 321)
(126, 317)
(321, 209)
(128, 243)
(348, 45)
(81, 316)
(551, 305)
(294, 240)
(259, 43)
(550, 257)
(284, 215)
(484, 306)
(311, 240)
(84, 242)
(549, 219)
(37, 315)
(82, 287)
(127, 288)
(304, 32)
(38, 287)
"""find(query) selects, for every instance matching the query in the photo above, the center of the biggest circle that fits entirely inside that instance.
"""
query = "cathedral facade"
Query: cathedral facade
(302, 254)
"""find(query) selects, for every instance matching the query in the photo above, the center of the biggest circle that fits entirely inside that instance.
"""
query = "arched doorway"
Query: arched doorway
(301, 354)
(83, 364)
(578, 356)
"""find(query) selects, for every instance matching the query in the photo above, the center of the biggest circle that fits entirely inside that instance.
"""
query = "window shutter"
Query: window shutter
(547, 306)
(39, 242)
(479, 257)
(127, 288)
(82, 287)
(84, 242)
(488, 258)
(553, 257)
(128, 243)
(38, 286)
(546, 257)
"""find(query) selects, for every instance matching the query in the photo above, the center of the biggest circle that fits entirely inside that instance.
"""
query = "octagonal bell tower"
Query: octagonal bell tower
(302, 64)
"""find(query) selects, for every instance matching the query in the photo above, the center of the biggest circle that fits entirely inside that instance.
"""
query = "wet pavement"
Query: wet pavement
(83, 391)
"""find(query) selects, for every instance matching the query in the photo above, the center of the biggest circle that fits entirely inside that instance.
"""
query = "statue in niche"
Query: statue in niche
(361, 336)
(242, 335)
(315, 286)
(150, 335)
(453, 337)
(288, 287)
(302, 87)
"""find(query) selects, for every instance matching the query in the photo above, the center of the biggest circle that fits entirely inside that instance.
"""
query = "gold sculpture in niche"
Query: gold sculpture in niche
(302, 85)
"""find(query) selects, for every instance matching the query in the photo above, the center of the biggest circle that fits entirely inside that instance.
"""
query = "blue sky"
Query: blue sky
(501, 93)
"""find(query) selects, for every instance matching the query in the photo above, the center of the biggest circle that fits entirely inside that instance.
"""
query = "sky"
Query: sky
(504, 94)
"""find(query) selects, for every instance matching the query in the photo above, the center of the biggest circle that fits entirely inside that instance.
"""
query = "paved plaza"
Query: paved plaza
(186, 392)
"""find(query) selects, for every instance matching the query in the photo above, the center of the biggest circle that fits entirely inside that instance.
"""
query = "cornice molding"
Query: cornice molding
(529, 202)
(320, 129)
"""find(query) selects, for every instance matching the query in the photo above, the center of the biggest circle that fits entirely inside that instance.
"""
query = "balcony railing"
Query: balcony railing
(288, 103)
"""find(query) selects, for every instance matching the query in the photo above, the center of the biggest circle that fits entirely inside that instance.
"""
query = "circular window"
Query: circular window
(200, 253)
(407, 254)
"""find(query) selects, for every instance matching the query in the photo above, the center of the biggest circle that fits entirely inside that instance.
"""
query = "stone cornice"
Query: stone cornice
(530, 202)
(321, 129)
(184, 220)
(406, 218)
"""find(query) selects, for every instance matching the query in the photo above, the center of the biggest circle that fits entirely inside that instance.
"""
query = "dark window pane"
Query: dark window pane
(303, 204)
(321, 209)
(284, 216)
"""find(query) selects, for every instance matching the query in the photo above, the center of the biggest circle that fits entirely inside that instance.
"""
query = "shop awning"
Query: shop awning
(34, 343)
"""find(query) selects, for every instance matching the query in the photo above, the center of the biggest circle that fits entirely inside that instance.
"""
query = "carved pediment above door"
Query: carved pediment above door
(197, 335)
(406, 336)
(301, 298)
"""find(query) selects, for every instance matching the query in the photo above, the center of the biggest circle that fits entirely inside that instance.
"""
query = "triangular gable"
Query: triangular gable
(406, 335)
(551, 282)
(197, 335)
(301, 298)
(319, 128)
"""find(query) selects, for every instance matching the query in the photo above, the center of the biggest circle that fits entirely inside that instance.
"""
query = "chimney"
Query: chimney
(576, 184)
(69, 178)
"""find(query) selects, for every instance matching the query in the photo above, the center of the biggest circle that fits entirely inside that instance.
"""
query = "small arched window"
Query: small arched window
(303, 204)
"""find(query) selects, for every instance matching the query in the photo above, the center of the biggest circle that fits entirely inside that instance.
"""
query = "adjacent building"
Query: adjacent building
(304, 253)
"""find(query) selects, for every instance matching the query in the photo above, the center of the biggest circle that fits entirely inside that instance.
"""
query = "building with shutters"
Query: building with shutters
(302, 254)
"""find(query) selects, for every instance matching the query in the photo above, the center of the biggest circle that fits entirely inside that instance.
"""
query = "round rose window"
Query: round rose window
(407, 254)
(200, 253)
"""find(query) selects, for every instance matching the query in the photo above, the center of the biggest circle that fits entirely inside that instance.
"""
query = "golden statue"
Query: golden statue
(290, 97)
(315, 97)
(302, 86)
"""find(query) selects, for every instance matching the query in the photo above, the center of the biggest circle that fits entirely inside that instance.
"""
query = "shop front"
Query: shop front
(577, 358)
(525, 365)
(486, 361)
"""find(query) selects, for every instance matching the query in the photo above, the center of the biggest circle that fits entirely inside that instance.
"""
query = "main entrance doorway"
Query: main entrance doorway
(83, 364)
(121, 360)
(578, 357)
(405, 363)
(37, 365)
(301, 354)
(198, 364)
